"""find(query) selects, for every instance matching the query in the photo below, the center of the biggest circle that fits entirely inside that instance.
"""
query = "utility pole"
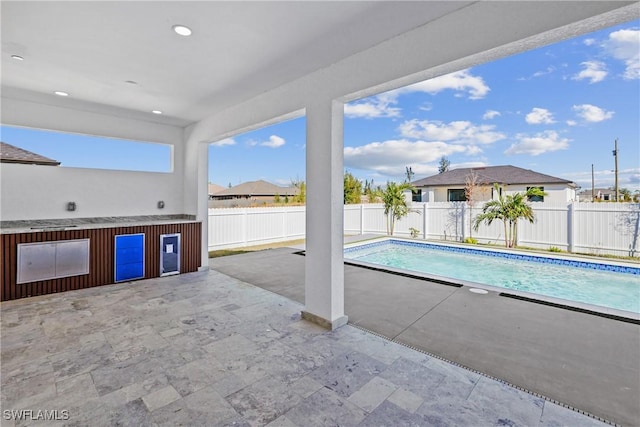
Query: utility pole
(593, 187)
(615, 156)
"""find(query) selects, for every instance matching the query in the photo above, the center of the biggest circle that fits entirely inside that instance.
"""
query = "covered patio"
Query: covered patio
(208, 349)
(204, 346)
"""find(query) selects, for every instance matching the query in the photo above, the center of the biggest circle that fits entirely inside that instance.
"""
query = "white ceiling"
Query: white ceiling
(237, 51)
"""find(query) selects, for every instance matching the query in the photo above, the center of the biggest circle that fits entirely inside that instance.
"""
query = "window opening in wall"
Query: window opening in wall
(536, 198)
(263, 167)
(92, 152)
(456, 195)
(549, 110)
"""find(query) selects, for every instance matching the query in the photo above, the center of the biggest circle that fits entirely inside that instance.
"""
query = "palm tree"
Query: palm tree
(509, 209)
(395, 204)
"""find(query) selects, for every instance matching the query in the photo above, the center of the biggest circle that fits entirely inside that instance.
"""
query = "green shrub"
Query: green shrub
(555, 249)
(471, 240)
(414, 232)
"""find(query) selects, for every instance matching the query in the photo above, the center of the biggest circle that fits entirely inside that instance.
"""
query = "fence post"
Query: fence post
(425, 220)
(462, 221)
(245, 216)
(361, 218)
(571, 227)
(285, 236)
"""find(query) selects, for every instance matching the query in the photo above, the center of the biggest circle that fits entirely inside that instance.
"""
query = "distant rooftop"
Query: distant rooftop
(12, 154)
(257, 188)
(506, 175)
(215, 188)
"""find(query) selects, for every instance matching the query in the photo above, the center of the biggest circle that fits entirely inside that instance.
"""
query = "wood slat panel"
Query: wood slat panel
(101, 256)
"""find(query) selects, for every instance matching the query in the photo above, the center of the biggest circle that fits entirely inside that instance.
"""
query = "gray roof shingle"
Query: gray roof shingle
(506, 175)
(12, 154)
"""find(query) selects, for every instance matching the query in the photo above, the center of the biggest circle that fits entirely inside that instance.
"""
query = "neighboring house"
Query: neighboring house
(12, 154)
(213, 189)
(449, 186)
(251, 194)
(601, 194)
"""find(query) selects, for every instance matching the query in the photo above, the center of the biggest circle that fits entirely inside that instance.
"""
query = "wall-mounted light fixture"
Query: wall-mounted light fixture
(161, 204)
(71, 206)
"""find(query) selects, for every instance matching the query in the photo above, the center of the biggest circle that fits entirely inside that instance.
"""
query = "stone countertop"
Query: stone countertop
(40, 225)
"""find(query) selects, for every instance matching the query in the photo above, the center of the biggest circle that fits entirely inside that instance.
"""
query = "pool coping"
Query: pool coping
(611, 313)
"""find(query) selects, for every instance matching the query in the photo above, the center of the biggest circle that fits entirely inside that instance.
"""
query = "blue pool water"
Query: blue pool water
(598, 284)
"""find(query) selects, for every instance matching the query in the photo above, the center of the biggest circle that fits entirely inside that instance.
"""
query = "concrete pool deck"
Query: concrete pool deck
(581, 360)
(208, 349)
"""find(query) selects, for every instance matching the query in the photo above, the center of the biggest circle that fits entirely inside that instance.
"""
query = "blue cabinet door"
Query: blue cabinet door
(129, 257)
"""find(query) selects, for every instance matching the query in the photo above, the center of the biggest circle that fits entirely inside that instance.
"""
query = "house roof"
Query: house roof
(257, 188)
(215, 188)
(507, 175)
(598, 190)
(12, 154)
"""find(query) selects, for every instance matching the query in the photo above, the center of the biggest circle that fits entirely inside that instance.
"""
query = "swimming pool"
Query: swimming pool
(615, 286)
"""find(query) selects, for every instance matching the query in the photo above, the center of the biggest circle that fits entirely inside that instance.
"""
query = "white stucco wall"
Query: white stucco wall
(42, 192)
(556, 193)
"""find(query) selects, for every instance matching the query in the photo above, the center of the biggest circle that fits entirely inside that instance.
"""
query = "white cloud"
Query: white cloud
(539, 116)
(491, 114)
(384, 104)
(571, 123)
(537, 144)
(624, 45)
(391, 157)
(594, 71)
(223, 142)
(591, 113)
(550, 69)
(373, 107)
(589, 42)
(463, 82)
(457, 131)
(274, 142)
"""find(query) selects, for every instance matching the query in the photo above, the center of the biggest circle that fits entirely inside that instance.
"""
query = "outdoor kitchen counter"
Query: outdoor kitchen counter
(44, 225)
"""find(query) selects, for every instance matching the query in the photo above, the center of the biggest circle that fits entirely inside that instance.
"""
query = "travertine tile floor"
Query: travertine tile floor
(206, 349)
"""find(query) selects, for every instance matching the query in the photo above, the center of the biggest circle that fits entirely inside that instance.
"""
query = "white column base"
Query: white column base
(327, 324)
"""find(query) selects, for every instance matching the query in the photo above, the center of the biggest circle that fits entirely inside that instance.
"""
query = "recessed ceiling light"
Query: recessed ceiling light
(182, 30)
(17, 57)
(157, 112)
(60, 93)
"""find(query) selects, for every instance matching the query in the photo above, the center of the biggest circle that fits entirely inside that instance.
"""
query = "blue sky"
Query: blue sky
(556, 110)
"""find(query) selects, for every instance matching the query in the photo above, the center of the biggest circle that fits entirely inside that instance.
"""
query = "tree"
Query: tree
(625, 195)
(443, 165)
(395, 204)
(471, 190)
(373, 194)
(352, 189)
(301, 197)
(509, 209)
(409, 173)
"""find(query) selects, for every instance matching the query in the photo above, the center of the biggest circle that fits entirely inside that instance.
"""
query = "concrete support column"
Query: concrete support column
(324, 267)
(196, 197)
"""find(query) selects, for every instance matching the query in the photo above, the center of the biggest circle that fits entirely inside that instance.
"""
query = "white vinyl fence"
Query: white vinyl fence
(595, 228)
